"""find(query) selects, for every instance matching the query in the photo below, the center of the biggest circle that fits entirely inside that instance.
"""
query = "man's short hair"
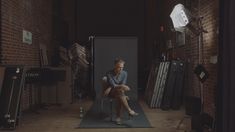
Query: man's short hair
(119, 60)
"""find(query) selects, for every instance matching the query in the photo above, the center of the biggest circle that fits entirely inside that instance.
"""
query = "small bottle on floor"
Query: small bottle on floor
(81, 113)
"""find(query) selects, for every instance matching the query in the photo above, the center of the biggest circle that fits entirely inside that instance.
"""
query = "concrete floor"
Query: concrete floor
(66, 118)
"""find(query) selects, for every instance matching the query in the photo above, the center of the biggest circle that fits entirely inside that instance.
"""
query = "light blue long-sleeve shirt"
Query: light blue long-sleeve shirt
(114, 80)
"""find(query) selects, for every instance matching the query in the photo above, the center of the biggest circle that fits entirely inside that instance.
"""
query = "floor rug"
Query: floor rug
(95, 118)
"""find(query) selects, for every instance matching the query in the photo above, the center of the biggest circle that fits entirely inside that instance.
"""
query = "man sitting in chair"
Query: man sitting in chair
(116, 79)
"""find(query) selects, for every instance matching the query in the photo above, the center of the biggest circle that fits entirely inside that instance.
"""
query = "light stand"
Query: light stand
(182, 19)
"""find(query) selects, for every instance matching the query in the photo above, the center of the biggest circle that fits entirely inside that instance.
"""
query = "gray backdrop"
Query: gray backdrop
(106, 49)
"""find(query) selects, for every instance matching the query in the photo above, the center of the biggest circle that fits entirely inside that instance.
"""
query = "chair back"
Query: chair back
(104, 82)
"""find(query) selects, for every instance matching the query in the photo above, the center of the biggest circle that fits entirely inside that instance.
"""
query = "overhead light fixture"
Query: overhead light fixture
(180, 17)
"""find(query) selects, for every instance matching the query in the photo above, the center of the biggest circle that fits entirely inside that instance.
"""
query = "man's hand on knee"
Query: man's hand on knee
(125, 87)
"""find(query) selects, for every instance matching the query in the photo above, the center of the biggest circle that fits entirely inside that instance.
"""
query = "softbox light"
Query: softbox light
(180, 17)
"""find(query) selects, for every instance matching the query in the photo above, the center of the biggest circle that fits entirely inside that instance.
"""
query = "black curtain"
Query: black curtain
(226, 79)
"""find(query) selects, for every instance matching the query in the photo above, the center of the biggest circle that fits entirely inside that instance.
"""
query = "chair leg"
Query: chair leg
(111, 110)
(102, 105)
(129, 116)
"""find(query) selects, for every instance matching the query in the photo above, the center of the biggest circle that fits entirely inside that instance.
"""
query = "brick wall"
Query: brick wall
(28, 15)
(189, 52)
(31, 15)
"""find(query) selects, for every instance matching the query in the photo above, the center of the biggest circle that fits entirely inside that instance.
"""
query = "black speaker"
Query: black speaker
(197, 123)
(201, 121)
(192, 105)
(59, 75)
